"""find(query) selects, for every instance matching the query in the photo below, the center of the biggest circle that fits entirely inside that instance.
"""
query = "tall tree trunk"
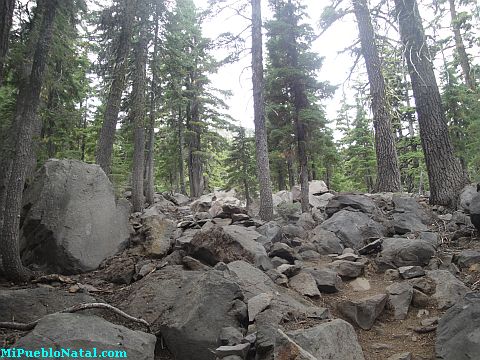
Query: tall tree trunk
(290, 170)
(195, 161)
(460, 47)
(138, 110)
(388, 171)
(106, 137)
(6, 16)
(26, 120)
(150, 162)
(181, 145)
(301, 103)
(263, 166)
(445, 175)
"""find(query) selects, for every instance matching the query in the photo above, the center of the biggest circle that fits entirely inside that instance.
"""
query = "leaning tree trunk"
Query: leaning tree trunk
(445, 174)
(26, 119)
(460, 47)
(263, 166)
(6, 16)
(138, 112)
(388, 171)
(103, 156)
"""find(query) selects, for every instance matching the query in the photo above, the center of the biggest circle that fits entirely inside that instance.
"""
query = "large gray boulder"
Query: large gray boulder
(26, 305)
(75, 332)
(458, 331)
(227, 244)
(409, 216)
(189, 308)
(466, 196)
(354, 228)
(353, 201)
(326, 242)
(363, 312)
(399, 252)
(449, 290)
(71, 221)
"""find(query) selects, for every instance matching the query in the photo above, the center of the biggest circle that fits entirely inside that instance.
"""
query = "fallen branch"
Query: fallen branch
(426, 329)
(73, 309)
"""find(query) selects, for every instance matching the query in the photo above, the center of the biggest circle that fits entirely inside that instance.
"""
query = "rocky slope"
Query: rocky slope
(362, 277)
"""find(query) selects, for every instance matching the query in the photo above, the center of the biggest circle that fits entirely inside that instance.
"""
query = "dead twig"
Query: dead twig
(73, 309)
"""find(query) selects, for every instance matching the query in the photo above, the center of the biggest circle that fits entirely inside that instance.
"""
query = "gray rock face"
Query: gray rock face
(271, 231)
(449, 290)
(159, 235)
(257, 304)
(467, 258)
(283, 251)
(365, 311)
(78, 331)
(409, 216)
(399, 298)
(347, 269)
(304, 283)
(326, 241)
(353, 201)
(72, 223)
(399, 252)
(25, 305)
(354, 228)
(335, 339)
(227, 244)
(410, 272)
(458, 331)
(467, 195)
(192, 307)
(327, 280)
(404, 223)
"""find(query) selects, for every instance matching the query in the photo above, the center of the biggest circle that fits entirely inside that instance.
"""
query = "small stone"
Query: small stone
(360, 284)
(410, 272)
(347, 269)
(240, 350)
(422, 313)
(400, 297)
(348, 257)
(429, 321)
(401, 356)
(257, 304)
(420, 299)
(365, 311)
(288, 270)
(348, 251)
(391, 275)
(222, 222)
(304, 284)
(372, 248)
(229, 336)
(240, 217)
(283, 251)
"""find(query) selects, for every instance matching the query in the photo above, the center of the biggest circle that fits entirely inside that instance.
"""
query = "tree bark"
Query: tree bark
(181, 145)
(263, 166)
(6, 16)
(301, 103)
(26, 119)
(445, 175)
(106, 137)
(150, 162)
(460, 46)
(388, 171)
(195, 161)
(138, 111)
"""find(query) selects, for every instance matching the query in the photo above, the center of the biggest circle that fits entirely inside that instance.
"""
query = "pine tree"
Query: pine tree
(240, 166)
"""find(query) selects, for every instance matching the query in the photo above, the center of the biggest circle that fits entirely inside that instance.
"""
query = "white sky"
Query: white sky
(237, 77)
